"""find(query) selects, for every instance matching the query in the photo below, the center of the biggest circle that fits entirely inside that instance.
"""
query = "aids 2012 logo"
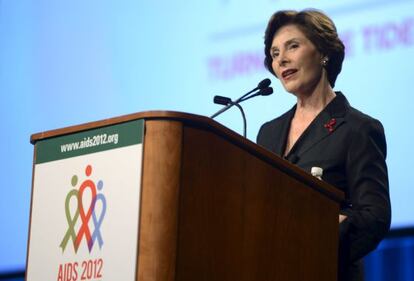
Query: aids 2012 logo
(84, 224)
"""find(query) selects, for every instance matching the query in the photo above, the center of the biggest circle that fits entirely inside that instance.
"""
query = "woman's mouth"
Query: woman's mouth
(288, 73)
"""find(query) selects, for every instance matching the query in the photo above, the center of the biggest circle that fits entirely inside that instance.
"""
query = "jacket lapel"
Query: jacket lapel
(280, 142)
(324, 125)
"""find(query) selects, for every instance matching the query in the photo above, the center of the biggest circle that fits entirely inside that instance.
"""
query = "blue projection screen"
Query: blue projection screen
(69, 62)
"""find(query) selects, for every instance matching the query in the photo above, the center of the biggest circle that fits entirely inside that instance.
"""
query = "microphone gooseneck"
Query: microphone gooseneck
(262, 89)
(264, 92)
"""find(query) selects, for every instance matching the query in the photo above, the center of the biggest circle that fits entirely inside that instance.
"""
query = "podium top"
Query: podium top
(208, 124)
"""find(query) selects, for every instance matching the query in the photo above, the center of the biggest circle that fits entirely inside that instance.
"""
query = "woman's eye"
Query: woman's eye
(275, 54)
(294, 46)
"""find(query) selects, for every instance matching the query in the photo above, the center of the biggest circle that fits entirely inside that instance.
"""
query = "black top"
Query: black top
(350, 147)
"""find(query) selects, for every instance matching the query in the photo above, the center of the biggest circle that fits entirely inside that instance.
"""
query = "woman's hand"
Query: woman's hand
(342, 218)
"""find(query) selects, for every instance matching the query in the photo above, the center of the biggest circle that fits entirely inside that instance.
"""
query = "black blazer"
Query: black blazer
(350, 147)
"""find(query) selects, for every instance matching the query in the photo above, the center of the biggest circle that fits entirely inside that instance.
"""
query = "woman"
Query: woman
(322, 130)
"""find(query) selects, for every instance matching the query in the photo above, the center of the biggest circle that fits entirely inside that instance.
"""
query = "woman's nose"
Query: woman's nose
(282, 60)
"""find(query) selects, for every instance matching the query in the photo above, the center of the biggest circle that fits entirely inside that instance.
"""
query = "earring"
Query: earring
(325, 61)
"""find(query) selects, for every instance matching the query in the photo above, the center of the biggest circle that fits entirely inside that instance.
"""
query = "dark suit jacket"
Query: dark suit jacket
(350, 147)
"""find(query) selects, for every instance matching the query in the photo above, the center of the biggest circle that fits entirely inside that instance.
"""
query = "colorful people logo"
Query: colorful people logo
(85, 215)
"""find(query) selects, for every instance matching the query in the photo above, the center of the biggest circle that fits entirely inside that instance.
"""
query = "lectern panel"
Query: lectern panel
(85, 205)
(242, 219)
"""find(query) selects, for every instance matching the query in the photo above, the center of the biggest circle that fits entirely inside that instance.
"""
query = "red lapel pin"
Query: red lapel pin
(330, 125)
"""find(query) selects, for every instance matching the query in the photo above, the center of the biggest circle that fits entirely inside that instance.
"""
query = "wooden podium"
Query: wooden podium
(217, 207)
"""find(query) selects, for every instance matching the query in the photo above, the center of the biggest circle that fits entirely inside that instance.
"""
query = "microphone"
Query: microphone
(222, 100)
(263, 90)
(264, 84)
(266, 91)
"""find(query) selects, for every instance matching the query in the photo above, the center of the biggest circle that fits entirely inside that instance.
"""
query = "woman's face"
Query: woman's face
(296, 61)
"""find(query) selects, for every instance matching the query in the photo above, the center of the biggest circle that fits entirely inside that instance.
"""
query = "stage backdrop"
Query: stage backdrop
(69, 62)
